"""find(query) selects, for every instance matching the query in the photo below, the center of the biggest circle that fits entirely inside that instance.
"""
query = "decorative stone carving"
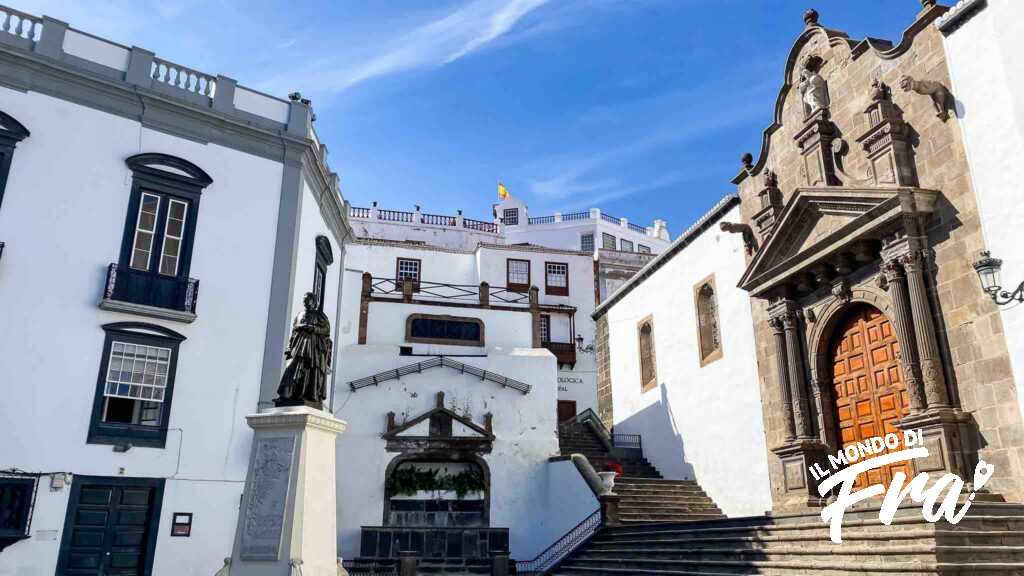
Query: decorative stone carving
(813, 88)
(841, 291)
(886, 142)
(942, 99)
(304, 382)
(263, 518)
(748, 235)
(932, 374)
(782, 373)
(903, 324)
(770, 205)
(748, 161)
(811, 18)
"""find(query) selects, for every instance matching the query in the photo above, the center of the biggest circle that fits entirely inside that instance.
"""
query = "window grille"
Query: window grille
(587, 243)
(626, 245)
(511, 217)
(607, 241)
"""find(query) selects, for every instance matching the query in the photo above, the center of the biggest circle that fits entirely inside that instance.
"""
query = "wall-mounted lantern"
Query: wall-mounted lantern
(987, 268)
(588, 349)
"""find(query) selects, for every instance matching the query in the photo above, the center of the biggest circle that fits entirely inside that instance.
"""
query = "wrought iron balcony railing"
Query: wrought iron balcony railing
(148, 289)
(467, 293)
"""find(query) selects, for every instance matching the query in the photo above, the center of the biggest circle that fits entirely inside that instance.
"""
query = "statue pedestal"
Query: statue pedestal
(288, 513)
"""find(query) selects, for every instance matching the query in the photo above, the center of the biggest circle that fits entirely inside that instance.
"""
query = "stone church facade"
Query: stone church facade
(862, 226)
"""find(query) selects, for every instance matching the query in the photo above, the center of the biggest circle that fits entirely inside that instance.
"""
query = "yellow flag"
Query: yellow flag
(502, 191)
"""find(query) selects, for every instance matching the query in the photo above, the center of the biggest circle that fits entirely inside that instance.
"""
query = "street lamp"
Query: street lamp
(589, 348)
(987, 268)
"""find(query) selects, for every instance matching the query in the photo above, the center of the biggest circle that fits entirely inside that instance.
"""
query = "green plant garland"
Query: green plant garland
(408, 481)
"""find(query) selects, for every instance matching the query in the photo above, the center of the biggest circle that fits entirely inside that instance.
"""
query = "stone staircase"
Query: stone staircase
(645, 495)
(989, 541)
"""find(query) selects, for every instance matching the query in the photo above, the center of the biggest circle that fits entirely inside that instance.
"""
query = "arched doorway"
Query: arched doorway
(435, 490)
(870, 392)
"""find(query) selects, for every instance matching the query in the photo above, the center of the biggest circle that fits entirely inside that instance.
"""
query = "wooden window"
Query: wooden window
(408, 269)
(452, 330)
(643, 249)
(608, 241)
(11, 132)
(707, 321)
(159, 234)
(16, 494)
(556, 278)
(511, 217)
(517, 275)
(324, 258)
(626, 245)
(587, 243)
(545, 328)
(648, 366)
(136, 381)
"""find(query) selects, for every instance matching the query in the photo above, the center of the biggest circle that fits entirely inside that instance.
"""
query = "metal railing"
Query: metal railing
(541, 220)
(394, 215)
(148, 289)
(439, 220)
(469, 293)
(372, 568)
(637, 228)
(480, 225)
(609, 218)
(388, 375)
(20, 24)
(634, 441)
(354, 212)
(576, 216)
(562, 547)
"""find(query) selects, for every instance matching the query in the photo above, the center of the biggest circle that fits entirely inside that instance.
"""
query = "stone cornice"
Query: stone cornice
(960, 13)
(295, 418)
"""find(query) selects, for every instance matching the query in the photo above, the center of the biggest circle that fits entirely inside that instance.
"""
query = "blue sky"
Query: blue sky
(639, 107)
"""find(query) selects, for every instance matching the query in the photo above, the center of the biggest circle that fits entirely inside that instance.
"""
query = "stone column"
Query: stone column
(903, 323)
(782, 372)
(936, 395)
(794, 361)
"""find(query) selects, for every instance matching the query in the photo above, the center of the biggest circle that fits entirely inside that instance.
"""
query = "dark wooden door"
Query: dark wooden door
(111, 527)
(871, 396)
(566, 410)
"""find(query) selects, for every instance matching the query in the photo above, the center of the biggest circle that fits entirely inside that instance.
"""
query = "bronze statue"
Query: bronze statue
(304, 382)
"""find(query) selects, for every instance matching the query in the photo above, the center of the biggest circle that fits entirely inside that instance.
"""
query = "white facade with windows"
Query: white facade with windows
(983, 41)
(145, 313)
(683, 370)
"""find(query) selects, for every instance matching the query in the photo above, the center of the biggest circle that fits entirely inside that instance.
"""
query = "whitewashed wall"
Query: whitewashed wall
(700, 423)
(524, 426)
(62, 218)
(445, 237)
(987, 72)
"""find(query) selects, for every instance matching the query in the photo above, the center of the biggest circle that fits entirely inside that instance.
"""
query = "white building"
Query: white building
(682, 369)
(161, 226)
(983, 40)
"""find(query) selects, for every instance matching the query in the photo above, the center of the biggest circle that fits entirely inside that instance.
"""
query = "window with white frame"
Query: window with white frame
(511, 217)
(626, 245)
(545, 328)
(608, 241)
(145, 229)
(136, 379)
(556, 278)
(408, 269)
(174, 231)
(517, 274)
(587, 243)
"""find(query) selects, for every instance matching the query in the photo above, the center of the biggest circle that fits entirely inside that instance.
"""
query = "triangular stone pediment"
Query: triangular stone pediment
(818, 222)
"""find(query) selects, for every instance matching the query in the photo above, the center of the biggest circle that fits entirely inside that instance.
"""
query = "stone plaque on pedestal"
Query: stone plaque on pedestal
(288, 512)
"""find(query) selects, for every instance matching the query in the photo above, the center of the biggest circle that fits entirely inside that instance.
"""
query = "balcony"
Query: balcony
(147, 294)
(565, 352)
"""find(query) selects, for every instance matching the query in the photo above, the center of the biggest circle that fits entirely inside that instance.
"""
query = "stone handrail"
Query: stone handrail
(20, 24)
(586, 470)
(183, 78)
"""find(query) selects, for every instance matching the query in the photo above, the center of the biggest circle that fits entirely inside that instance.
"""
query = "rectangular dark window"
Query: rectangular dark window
(587, 243)
(452, 330)
(545, 328)
(626, 245)
(16, 494)
(408, 269)
(133, 393)
(517, 275)
(511, 217)
(608, 241)
(556, 278)
(643, 249)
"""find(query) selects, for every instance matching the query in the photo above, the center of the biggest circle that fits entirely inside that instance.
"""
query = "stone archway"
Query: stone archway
(438, 507)
(869, 394)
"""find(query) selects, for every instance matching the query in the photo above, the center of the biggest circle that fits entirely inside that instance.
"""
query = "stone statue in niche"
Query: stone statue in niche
(941, 98)
(813, 88)
(304, 382)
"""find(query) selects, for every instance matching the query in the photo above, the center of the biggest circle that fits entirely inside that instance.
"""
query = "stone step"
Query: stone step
(787, 568)
(701, 508)
(667, 516)
(846, 552)
(661, 499)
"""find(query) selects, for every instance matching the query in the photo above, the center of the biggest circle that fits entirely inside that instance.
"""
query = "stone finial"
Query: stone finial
(927, 3)
(771, 179)
(879, 90)
(748, 161)
(391, 421)
(811, 17)
(489, 422)
(439, 403)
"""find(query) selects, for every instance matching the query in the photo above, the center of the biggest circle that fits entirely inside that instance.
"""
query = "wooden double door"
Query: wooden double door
(870, 391)
(111, 527)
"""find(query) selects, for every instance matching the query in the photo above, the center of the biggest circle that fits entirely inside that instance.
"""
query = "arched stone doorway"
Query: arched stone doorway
(870, 391)
(437, 490)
